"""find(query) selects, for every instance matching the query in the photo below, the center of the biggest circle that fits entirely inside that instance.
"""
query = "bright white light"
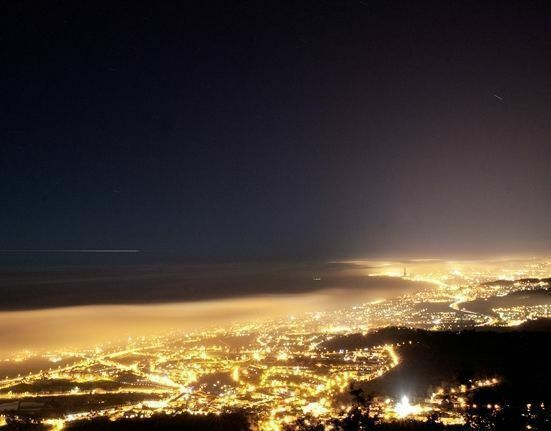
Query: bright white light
(404, 408)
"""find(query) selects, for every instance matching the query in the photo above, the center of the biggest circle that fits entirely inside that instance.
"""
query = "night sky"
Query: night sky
(276, 129)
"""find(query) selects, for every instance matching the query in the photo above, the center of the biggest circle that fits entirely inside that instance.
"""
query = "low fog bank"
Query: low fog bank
(178, 298)
(30, 288)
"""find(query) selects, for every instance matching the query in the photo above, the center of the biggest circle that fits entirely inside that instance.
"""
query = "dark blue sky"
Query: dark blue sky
(243, 130)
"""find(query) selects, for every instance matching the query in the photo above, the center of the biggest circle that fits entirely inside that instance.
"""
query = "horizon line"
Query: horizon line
(73, 251)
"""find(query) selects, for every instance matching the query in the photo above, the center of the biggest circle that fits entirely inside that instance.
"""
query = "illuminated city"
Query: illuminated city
(278, 369)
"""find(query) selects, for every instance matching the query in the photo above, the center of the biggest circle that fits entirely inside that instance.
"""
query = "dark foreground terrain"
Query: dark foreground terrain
(518, 357)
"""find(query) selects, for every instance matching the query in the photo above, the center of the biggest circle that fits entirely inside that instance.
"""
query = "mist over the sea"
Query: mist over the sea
(55, 306)
(49, 286)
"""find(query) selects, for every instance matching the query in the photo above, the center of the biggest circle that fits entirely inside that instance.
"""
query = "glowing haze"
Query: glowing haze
(85, 326)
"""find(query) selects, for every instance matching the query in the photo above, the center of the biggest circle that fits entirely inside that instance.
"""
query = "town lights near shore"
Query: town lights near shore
(302, 357)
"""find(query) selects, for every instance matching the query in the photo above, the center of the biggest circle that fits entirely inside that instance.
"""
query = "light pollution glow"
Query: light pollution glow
(86, 326)
(205, 372)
